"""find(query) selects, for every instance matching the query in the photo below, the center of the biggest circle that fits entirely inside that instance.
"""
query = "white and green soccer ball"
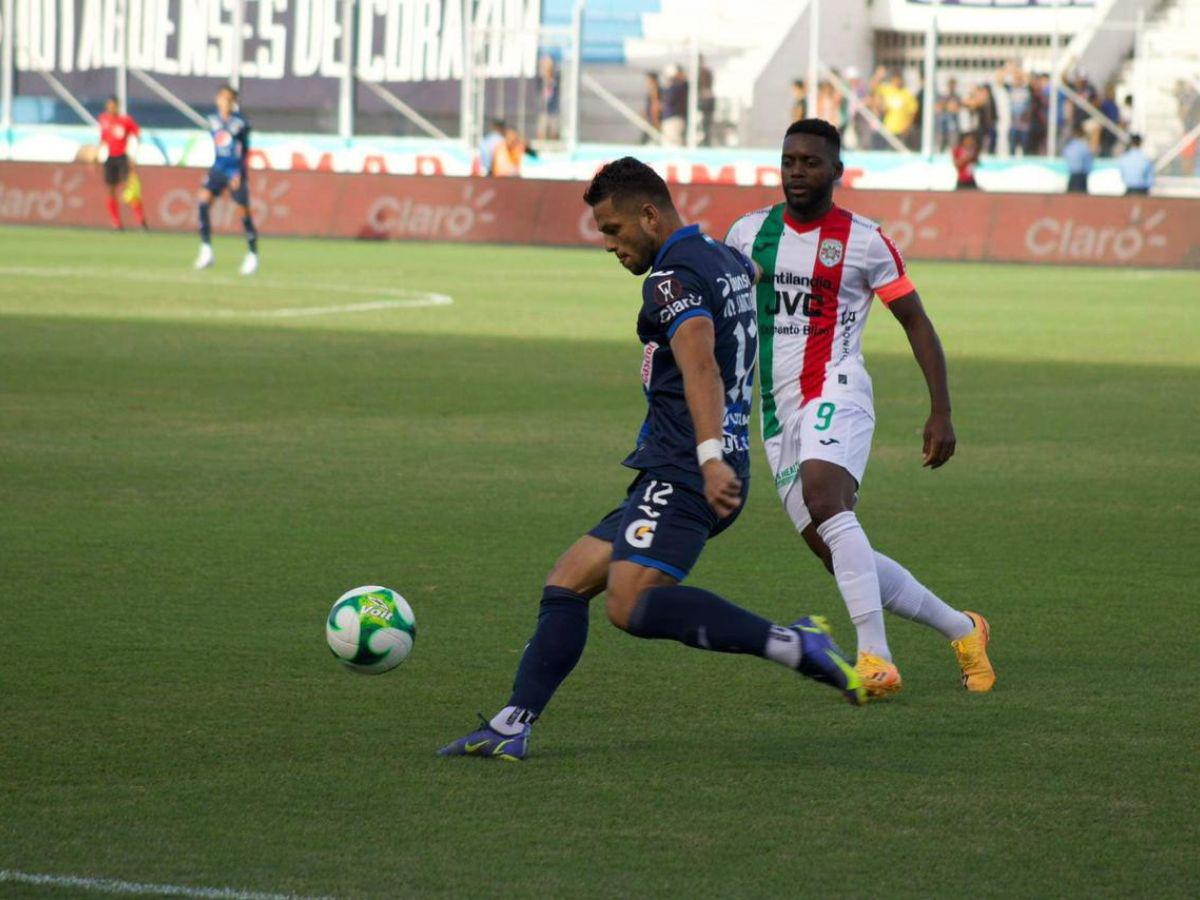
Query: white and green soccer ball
(371, 629)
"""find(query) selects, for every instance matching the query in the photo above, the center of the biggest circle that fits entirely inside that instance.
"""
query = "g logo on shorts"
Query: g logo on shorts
(640, 533)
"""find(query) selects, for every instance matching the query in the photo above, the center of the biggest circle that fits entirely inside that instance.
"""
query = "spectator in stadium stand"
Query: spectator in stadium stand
(899, 106)
(510, 155)
(1078, 156)
(829, 105)
(1039, 118)
(674, 107)
(1112, 112)
(857, 133)
(799, 100)
(988, 119)
(946, 113)
(1021, 111)
(1002, 104)
(966, 156)
(549, 99)
(491, 142)
(1137, 169)
(653, 107)
(707, 101)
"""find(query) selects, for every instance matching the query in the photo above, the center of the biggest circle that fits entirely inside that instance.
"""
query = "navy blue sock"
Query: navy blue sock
(205, 224)
(553, 651)
(699, 619)
(251, 233)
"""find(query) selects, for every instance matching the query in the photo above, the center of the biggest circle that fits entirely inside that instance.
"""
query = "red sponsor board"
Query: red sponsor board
(1124, 231)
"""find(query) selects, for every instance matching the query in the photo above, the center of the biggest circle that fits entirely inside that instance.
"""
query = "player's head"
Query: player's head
(112, 105)
(811, 163)
(633, 209)
(226, 99)
(1135, 140)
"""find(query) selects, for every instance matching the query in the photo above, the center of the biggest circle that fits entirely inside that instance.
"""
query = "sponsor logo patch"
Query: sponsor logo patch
(648, 364)
(667, 290)
(640, 533)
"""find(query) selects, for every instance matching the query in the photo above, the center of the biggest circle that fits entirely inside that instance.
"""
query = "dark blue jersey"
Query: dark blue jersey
(231, 143)
(694, 275)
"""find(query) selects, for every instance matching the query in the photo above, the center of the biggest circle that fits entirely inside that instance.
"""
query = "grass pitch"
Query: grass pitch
(189, 478)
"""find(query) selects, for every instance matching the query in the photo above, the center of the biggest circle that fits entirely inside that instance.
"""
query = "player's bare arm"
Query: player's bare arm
(938, 438)
(694, 348)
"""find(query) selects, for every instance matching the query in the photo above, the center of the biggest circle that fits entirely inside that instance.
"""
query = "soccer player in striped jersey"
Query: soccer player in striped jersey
(821, 266)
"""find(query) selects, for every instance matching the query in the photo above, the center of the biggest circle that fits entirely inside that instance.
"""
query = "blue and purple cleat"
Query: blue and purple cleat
(488, 743)
(822, 660)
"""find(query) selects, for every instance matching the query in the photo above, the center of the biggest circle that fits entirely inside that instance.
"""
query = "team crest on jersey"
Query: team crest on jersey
(830, 252)
(222, 138)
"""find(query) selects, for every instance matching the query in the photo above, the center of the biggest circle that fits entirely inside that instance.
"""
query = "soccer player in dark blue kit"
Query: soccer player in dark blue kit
(698, 326)
(231, 144)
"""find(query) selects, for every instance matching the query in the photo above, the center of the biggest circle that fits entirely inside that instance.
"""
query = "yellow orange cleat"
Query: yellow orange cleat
(880, 677)
(977, 672)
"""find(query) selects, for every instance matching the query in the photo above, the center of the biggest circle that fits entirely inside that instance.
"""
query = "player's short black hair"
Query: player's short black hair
(627, 179)
(1135, 140)
(820, 128)
(230, 89)
(112, 98)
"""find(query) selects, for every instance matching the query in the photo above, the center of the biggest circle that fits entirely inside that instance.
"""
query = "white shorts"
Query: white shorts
(833, 429)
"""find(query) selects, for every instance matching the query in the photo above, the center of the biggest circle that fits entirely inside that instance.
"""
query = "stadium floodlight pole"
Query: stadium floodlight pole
(1140, 58)
(814, 50)
(122, 72)
(346, 87)
(1055, 77)
(576, 71)
(466, 100)
(693, 112)
(930, 92)
(6, 67)
(235, 64)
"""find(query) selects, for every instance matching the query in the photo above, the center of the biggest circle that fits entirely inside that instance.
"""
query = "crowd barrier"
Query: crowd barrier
(1065, 229)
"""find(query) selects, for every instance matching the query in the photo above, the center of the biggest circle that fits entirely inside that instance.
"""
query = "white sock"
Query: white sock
(783, 647)
(908, 598)
(511, 720)
(854, 570)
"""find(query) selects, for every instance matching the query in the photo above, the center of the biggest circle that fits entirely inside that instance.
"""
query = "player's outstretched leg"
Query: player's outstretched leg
(647, 603)
(549, 657)
(250, 263)
(205, 259)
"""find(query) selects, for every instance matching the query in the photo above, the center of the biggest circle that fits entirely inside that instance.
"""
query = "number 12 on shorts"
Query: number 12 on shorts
(825, 416)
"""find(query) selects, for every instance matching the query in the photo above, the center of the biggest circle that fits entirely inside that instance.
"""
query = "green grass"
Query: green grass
(184, 493)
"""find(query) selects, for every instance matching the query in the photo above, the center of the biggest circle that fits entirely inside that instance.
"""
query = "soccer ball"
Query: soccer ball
(371, 629)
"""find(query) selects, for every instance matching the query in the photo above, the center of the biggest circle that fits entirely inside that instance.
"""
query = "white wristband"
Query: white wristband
(710, 449)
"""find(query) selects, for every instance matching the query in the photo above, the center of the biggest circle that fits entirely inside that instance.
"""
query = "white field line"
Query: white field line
(114, 886)
(430, 300)
(398, 298)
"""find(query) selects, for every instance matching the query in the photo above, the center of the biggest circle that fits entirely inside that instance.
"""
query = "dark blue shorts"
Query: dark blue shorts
(218, 180)
(663, 525)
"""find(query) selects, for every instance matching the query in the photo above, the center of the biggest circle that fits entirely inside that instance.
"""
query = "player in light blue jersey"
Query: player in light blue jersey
(231, 145)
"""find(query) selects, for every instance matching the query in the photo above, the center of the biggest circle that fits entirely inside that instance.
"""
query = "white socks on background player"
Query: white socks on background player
(854, 568)
(908, 598)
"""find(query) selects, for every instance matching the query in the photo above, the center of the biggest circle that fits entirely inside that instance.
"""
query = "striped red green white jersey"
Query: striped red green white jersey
(818, 281)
